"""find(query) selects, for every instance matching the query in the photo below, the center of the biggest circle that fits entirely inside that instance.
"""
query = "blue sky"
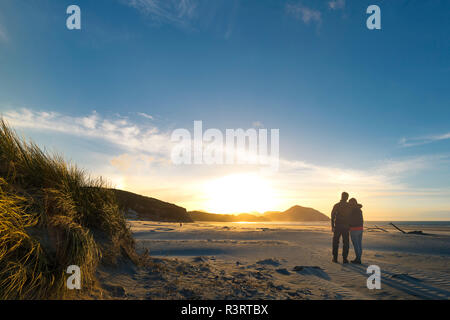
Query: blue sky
(362, 110)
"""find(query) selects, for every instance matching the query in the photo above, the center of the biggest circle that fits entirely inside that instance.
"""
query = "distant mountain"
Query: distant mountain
(140, 207)
(206, 216)
(295, 213)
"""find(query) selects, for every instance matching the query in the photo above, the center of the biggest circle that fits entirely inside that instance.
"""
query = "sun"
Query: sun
(238, 193)
(119, 183)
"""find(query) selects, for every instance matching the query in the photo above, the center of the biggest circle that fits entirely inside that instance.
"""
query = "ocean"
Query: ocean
(441, 226)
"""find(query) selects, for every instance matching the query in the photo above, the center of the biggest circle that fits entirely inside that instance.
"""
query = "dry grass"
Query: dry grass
(53, 215)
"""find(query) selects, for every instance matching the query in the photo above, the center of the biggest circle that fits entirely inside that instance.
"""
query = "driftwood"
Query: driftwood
(376, 228)
(397, 228)
(410, 232)
(381, 228)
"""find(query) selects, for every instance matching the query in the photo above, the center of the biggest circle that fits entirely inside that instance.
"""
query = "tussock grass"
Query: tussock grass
(52, 215)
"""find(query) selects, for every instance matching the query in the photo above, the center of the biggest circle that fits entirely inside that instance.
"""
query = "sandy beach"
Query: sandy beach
(280, 261)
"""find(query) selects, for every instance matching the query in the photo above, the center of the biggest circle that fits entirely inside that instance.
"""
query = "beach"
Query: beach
(282, 261)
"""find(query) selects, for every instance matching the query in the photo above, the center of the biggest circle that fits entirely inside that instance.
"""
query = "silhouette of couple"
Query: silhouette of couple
(347, 220)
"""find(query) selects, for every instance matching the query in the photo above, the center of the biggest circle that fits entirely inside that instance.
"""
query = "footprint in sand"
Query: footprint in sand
(200, 259)
(270, 262)
(300, 292)
(312, 271)
(404, 277)
(164, 229)
(283, 271)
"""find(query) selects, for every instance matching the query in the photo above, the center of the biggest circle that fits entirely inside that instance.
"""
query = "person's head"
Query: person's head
(354, 203)
(344, 196)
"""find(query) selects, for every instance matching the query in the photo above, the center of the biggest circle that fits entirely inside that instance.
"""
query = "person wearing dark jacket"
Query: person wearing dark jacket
(356, 223)
(340, 227)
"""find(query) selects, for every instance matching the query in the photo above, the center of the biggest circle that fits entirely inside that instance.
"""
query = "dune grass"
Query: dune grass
(53, 215)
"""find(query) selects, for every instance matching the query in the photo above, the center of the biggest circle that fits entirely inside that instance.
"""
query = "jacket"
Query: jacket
(356, 217)
(340, 214)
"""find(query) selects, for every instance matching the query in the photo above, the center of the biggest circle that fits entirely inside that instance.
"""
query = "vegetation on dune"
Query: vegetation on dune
(53, 215)
(146, 208)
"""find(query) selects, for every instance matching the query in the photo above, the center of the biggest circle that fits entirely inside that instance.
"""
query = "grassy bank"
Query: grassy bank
(52, 215)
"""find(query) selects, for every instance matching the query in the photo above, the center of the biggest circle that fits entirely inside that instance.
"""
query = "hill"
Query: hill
(145, 208)
(206, 216)
(295, 213)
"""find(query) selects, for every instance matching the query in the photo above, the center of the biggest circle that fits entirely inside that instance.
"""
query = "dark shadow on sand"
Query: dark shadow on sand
(312, 271)
(409, 285)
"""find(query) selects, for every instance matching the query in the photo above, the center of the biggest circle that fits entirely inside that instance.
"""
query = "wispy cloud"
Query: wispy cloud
(148, 140)
(336, 4)
(190, 15)
(412, 142)
(142, 164)
(118, 131)
(382, 177)
(301, 12)
(147, 116)
(179, 12)
(395, 168)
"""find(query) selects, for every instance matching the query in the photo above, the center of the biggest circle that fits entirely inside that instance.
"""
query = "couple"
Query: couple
(346, 218)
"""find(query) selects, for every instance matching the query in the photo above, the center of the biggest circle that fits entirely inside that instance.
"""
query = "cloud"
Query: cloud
(314, 175)
(190, 15)
(118, 131)
(147, 116)
(131, 162)
(142, 164)
(412, 142)
(122, 162)
(307, 15)
(393, 168)
(179, 12)
(336, 4)
(148, 144)
(386, 176)
(133, 137)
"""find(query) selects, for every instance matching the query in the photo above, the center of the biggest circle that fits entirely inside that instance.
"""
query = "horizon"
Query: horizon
(256, 213)
(262, 213)
(358, 110)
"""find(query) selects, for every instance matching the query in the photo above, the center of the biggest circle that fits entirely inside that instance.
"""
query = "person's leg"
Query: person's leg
(354, 242)
(360, 235)
(356, 239)
(345, 240)
(336, 236)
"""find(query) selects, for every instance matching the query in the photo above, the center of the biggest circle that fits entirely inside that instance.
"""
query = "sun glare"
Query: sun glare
(238, 193)
(119, 183)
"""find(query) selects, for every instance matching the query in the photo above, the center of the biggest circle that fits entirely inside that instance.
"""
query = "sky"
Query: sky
(358, 110)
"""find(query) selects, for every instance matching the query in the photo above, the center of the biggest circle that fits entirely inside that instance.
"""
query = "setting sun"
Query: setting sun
(238, 193)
